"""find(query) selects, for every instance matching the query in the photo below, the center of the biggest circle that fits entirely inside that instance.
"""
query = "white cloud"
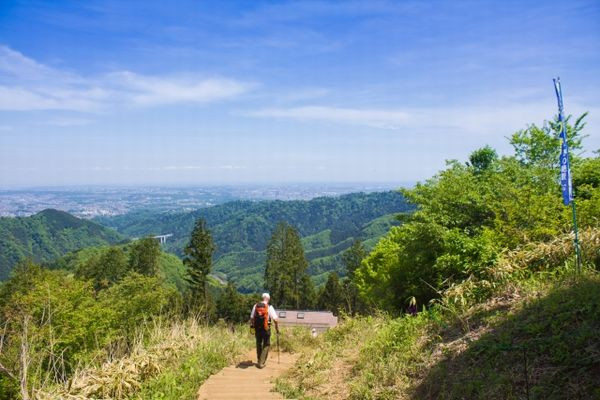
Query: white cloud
(147, 90)
(226, 167)
(490, 119)
(380, 118)
(27, 85)
(304, 94)
(201, 167)
(63, 122)
(19, 66)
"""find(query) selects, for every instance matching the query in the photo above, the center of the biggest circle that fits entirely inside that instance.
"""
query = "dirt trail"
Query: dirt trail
(245, 381)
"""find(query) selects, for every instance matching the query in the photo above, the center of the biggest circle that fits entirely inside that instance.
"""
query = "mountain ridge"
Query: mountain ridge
(46, 236)
(241, 230)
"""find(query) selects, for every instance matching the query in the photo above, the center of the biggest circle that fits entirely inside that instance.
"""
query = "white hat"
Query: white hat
(266, 296)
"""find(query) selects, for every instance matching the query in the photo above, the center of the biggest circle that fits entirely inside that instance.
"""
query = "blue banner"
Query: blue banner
(565, 169)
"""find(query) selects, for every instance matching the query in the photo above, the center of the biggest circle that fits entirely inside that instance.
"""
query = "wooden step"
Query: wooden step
(245, 381)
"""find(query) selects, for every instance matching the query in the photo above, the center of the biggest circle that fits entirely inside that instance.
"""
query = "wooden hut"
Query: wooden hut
(320, 321)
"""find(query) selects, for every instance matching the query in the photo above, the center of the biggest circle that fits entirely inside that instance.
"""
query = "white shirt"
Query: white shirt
(272, 312)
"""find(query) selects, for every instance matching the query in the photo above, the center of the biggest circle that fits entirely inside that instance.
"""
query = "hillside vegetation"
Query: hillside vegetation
(171, 363)
(241, 230)
(537, 335)
(477, 294)
(170, 267)
(474, 295)
(47, 235)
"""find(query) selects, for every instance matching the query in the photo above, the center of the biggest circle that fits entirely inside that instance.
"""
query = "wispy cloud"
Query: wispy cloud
(226, 167)
(27, 85)
(481, 119)
(64, 122)
(388, 119)
(200, 167)
(299, 94)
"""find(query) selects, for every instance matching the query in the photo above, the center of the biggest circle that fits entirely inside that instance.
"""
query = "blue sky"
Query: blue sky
(189, 92)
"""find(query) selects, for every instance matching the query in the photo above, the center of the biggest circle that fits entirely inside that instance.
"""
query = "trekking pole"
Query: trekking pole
(277, 346)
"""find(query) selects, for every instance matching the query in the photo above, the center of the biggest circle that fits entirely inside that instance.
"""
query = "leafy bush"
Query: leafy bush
(53, 322)
(168, 360)
(469, 214)
(137, 298)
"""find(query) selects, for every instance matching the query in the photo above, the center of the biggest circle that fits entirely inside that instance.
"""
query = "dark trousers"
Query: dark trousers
(263, 339)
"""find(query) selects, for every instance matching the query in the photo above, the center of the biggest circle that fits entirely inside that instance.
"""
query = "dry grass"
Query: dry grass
(324, 367)
(394, 358)
(160, 348)
(547, 255)
(519, 264)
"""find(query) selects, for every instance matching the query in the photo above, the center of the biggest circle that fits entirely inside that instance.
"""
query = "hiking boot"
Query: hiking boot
(263, 357)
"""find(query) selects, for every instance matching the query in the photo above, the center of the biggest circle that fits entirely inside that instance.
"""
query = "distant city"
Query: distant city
(89, 202)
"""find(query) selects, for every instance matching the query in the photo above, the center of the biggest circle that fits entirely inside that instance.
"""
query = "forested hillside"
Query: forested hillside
(482, 295)
(169, 267)
(47, 235)
(241, 230)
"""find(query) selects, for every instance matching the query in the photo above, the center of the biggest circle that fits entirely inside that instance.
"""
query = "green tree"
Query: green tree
(285, 273)
(144, 256)
(106, 269)
(540, 146)
(352, 259)
(483, 159)
(198, 260)
(307, 294)
(332, 298)
(468, 213)
(230, 305)
(135, 299)
(50, 323)
(586, 177)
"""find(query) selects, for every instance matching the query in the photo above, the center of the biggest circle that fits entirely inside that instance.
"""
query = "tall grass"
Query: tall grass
(168, 360)
(529, 313)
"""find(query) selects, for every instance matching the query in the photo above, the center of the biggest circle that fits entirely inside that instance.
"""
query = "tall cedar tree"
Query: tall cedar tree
(198, 260)
(230, 305)
(285, 273)
(144, 256)
(352, 259)
(332, 296)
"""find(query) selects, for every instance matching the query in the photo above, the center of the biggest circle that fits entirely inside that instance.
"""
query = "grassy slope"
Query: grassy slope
(551, 329)
(537, 335)
(47, 235)
(545, 343)
(171, 362)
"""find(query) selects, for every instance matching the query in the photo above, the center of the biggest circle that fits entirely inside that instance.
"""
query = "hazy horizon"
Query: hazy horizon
(183, 185)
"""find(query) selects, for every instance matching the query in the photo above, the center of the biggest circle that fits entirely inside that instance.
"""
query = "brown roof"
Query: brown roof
(312, 318)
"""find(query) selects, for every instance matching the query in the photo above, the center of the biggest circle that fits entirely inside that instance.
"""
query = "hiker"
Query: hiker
(412, 306)
(260, 319)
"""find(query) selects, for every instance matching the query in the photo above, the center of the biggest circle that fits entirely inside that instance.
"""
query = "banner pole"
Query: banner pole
(565, 177)
(577, 247)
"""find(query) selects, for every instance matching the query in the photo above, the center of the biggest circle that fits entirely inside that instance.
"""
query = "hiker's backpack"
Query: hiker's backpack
(261, 316)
